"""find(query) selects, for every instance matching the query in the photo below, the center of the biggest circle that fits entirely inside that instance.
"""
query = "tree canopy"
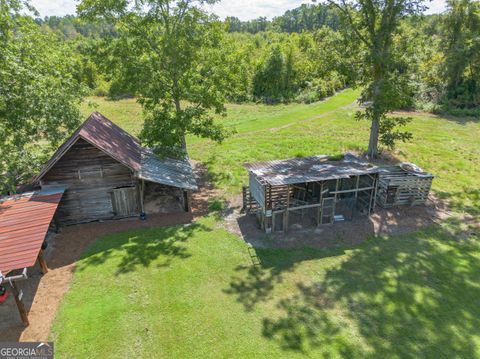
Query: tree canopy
(374, 24)
(172, 59)
(183, 64)
(39, 95)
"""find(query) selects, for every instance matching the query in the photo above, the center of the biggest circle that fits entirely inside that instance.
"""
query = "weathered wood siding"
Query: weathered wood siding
(398, 188)
(90, 175)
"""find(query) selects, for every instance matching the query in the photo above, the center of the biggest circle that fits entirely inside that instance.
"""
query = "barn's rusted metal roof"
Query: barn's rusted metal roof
(106, 136)
(126, 149)
(167, 171)
(24, 222)
(309, 169)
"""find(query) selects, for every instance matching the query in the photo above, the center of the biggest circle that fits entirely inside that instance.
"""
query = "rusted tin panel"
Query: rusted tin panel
(24, 222)
(309, 169)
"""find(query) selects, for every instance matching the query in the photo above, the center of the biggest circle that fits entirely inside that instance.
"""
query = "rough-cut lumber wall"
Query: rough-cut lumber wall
(90, 175)
(404, 188)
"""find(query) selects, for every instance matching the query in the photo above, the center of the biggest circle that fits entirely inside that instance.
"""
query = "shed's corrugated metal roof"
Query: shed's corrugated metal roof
(24, 222)
(171, 172)
(309, 169)
(106, 136)
(397, 170)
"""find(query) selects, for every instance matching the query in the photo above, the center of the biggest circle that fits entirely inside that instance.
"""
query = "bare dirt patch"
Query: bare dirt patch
(398, 220)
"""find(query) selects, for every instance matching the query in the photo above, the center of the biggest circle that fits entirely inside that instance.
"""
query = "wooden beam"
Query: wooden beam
(189, 199)
(320, 200)
(20, 305)
(374, 193)
(353, 190)
(142, 196)
(42, 262)
(357, 186)
(335, 200)
(285, 215)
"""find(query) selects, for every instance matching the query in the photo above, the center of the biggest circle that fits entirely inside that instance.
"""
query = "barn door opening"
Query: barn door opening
(391, 194)
(125, 201)
(328, 210)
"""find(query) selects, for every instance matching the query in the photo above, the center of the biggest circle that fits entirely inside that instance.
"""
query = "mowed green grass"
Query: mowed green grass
(447, 147)
(194, 292)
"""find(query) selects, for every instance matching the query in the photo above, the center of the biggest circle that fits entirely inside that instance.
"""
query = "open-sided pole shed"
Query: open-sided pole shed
(24, 223)
(318, 188)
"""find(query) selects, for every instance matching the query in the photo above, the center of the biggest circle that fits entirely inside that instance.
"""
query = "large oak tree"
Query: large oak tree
(39, 96)
(373, 23)
(172, 59)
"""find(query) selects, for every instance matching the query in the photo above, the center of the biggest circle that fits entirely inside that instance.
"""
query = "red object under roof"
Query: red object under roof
(106, 136)
(24, 222)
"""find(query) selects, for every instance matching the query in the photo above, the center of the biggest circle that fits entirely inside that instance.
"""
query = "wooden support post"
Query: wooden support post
(189, 201)
(356, 196)
(285, 215)
(373, 195)
(42, 262)
(320, 201)
(20, 305)
(357, 186)
(142, 196)
(186, 201)
(244, 196)
(335, 200)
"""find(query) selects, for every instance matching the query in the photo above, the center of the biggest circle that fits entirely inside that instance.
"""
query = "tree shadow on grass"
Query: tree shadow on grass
(456, 201)
(141, 248)
(307, 325)
(254, 284)
(408, 296)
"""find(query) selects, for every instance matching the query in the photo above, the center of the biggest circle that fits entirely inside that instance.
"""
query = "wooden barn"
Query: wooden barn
(108, 175)
(306, 191)
(405, 184)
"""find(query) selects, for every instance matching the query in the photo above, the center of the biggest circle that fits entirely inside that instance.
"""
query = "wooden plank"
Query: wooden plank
(20, 306)
(285, 216)
(42, 262)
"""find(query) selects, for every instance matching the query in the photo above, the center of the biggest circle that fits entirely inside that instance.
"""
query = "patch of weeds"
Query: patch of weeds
(336, 157)
(216, 205)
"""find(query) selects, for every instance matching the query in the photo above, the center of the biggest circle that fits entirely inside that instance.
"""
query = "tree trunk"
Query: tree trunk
(178, 109)
(375, 127)
(373, 142)
(183, 141)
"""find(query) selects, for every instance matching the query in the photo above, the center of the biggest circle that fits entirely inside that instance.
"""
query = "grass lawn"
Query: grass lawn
(193, 291)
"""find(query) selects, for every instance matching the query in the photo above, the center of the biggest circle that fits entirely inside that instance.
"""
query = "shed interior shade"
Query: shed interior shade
(24, 223)
(309, 169)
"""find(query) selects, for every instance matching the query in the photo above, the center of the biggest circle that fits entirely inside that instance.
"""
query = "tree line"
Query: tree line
(183, 64)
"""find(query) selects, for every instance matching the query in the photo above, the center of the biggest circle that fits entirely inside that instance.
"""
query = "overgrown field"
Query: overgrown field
(196, 291)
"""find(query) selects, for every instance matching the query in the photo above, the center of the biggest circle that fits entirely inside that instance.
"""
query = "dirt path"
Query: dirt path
(43, 294)
(314, 118)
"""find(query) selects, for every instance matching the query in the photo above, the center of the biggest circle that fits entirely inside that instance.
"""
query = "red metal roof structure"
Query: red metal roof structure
(102, 133)
(24, 223)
